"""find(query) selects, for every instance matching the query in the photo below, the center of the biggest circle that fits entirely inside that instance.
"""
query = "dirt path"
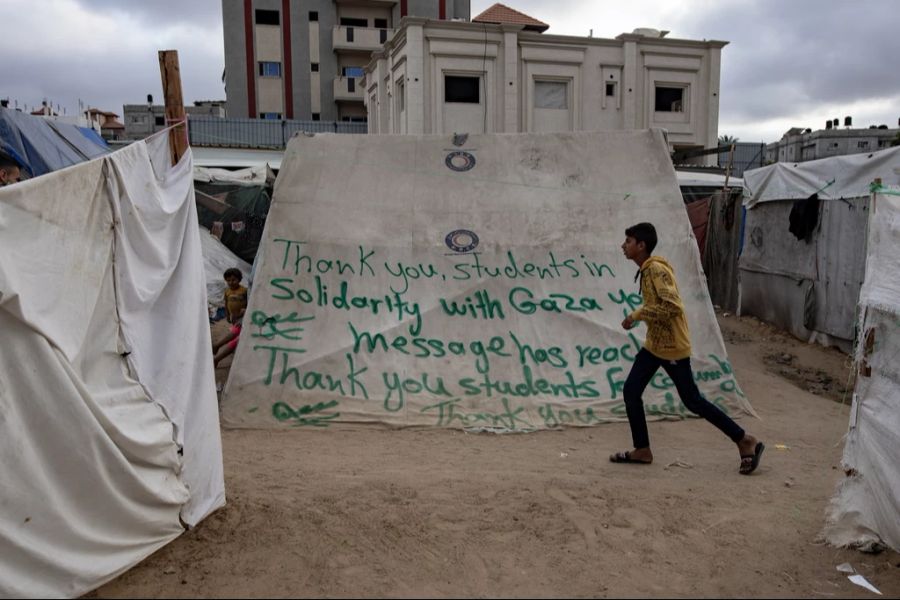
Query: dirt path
(370, 512)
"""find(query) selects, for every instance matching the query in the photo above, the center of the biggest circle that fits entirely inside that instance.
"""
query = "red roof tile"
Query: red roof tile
(502, 14)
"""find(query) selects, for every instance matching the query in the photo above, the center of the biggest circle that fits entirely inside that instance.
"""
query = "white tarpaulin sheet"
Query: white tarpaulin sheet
(473, 283)
(832, 178)
(866, 508)
(108, 420)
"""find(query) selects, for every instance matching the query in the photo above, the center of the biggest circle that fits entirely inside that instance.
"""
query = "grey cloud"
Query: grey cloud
(788, 57)
(162, 12)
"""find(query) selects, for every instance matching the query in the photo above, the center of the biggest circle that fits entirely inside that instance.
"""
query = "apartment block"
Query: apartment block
(287, 59)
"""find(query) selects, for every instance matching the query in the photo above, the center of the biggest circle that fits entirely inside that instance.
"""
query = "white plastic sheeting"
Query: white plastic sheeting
(259, 175)
(833, 178)
(108, 419)
(866, 509)
(475, 283)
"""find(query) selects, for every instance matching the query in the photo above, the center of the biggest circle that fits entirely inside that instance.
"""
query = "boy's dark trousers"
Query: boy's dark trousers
(645, 365)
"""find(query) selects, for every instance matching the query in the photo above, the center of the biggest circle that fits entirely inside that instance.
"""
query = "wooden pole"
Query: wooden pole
(171, 85)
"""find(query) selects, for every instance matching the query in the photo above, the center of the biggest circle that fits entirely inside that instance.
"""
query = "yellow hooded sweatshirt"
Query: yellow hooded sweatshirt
(663, 311)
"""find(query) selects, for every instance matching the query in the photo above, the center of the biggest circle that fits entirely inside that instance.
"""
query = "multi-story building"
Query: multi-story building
(798, 145)
(500, 73)
(287, 59)
(142, 120)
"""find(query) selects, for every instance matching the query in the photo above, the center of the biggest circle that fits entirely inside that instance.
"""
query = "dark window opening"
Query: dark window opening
(315, 116)
(269, 69)
(267, 17)
(669, 99)
(269, 115)
(380, 23)
(313, 15)
(314, 67)
(382, 36)
(461, 89)
(610, 89)
(160, 120)
(351, 22)
(349, 34)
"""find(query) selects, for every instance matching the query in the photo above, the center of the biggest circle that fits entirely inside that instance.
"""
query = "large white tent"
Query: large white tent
(108, 420)
(462, 281)
(865, 512)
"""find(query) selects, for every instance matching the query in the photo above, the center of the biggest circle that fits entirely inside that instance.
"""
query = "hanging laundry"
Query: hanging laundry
(237, 226)
(217, 228)
(804, 217)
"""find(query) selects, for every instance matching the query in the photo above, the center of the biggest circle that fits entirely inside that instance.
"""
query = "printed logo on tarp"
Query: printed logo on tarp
(460, 160)
(461, 240)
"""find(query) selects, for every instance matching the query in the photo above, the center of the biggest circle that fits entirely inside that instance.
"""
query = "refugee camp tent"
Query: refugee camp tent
(865, 512)
(233, 205)
(109, 430)
(804, 251)
(41, 145)
(473, 282)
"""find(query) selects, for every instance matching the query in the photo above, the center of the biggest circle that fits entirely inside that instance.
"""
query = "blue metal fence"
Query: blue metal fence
(259, 133)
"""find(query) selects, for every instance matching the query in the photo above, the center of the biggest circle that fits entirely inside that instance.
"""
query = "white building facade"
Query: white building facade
(469, 77)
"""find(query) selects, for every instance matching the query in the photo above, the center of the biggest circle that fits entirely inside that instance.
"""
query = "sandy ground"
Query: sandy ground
(371, 512)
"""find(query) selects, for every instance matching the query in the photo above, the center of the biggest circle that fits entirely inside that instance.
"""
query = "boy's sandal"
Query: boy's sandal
(625, 457)
(749, 462)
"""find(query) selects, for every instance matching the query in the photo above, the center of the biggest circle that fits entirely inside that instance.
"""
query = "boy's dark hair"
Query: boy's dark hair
(643, 232)
(233, 272)
(8, 161)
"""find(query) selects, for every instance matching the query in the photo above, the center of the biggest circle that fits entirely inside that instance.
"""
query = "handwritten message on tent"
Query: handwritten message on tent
(410, 281)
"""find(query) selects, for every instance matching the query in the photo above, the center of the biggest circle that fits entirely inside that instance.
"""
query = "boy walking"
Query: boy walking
(668, 345)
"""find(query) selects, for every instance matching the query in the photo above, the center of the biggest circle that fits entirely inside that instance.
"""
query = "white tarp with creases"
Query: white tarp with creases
(473, 281)
(108, 420)
(865, 511)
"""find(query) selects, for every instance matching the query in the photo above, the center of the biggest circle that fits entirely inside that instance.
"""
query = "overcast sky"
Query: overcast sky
(789, 62)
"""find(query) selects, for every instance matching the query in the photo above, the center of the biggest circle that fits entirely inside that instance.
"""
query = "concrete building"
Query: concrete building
(799, 145)
(499, 73)
(142, 120)
(110, 127)
(286, 59)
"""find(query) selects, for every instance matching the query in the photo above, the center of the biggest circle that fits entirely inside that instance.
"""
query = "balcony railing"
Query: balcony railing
(259, 133)
(369, 39)
(348, 88)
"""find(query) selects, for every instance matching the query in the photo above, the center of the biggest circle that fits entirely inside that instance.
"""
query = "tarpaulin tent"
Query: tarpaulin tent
(464, 281)
(866, 509)
(108, 417)
(41, 145)
(808, 281)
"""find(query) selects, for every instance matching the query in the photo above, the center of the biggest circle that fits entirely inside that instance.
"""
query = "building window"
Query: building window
(269, 115)
(315, 116)
(350, 22)
(610, 88)
(382, 36)
(267, 17)
(401, 96)
(461, 89)
(314, 67)
(352, 71)
(269, 69)
(380, 23)
(864, 144)
(669, 99)
(160, 120)
(313, 15)
(551, 94)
